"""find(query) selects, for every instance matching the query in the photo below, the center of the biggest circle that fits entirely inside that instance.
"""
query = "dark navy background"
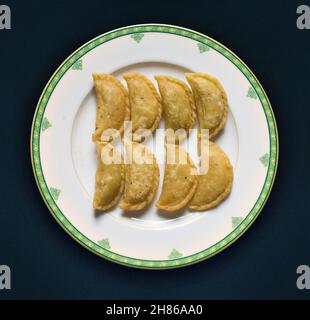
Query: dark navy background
(46, 262)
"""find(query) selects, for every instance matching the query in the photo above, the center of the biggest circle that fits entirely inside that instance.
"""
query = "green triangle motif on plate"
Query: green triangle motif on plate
(45, 124)
(251, 93)
(175, 254)
(78, 65)
(235, 221)
(202, 47)
(104, 243)
(264, 159)
(55, 193)
(137, 37)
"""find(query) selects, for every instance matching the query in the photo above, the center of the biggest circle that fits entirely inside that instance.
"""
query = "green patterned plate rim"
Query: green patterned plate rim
(39, 122)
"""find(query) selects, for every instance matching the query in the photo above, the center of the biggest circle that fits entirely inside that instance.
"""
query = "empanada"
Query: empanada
(180, 180)
(141, 177)
(178, 105)
(211, 102)
(109, 183)
(145, 103)
(215, 185)
(112, 105)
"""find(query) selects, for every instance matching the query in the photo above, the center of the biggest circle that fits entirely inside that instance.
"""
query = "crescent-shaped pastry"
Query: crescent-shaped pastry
(112, 105)
(141, 177)
(178, 104)
(180, 180)
(109, 183)
(211, 102)
(145, 103)
(215, 185)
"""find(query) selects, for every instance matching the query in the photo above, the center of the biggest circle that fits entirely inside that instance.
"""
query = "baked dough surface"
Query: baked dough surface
(109, 182)
(215, 185)
(180, 180)
(211, 102)
(112, 105)
(141, 178)
(145, 103)
(178, 105)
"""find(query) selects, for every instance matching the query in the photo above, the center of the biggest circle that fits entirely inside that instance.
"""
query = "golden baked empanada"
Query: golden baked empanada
(211, 102)
(178, 105)
(109, 183)
(141, 177)
(180, 180)
(215, 185)
(112, 105)
(145, 103)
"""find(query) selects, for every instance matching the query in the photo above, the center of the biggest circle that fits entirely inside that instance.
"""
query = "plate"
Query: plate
(64, 157)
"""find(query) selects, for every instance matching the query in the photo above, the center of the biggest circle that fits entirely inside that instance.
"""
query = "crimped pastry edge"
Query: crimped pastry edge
(136, 207)
(150, 84)
(214, 131)
(186, 200)
(121, 189)
(102, 76)
(223, 195)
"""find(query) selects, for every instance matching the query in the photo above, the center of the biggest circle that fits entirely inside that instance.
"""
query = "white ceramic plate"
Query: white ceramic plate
(64, 157)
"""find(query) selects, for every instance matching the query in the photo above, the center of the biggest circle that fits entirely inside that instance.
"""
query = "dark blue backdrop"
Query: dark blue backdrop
(46, 262)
